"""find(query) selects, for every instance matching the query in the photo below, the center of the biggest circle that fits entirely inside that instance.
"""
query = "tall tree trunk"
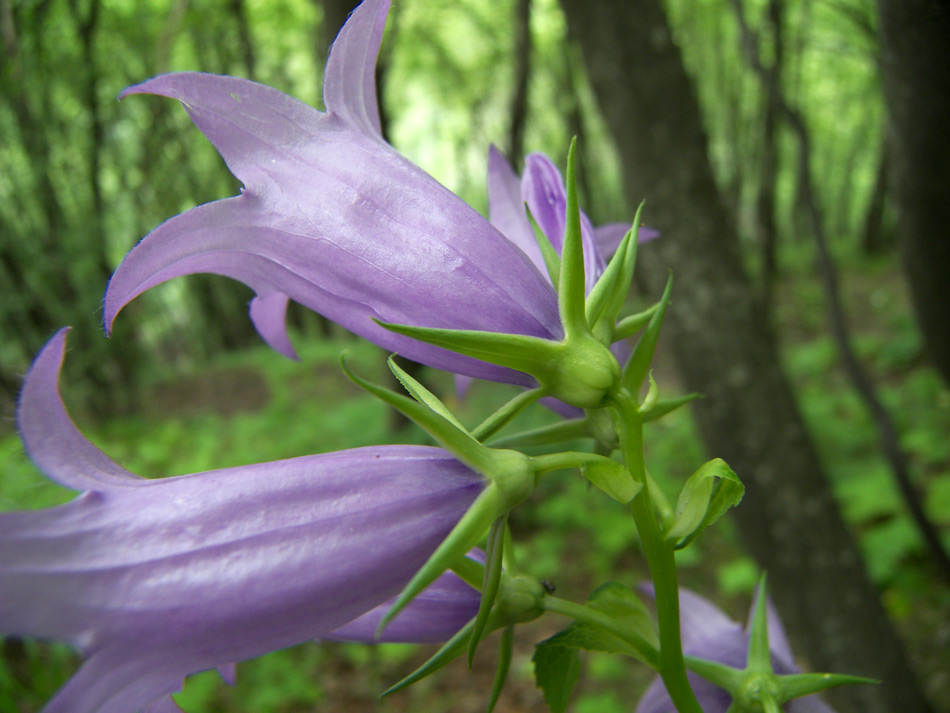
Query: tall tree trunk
(789, 519)
(519, 98)
(915, 58)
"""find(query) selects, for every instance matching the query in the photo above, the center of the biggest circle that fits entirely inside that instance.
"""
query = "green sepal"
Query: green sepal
(449, 651)
(636, 368)
(556, 671)
(796, 685)
(665, 406)
(559, 432)
(552, 261)
(492, 579)
(717, 673)
(514, 351)
(631, 324)
(708, 493)
(463, 537)
(571, 280)
(607, 297)
(505, 647)
(759, 655)
(491, 425)
(449, 434)
(421, 394)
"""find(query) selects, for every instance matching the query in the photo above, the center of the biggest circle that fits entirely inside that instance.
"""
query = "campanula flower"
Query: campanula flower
(157, 579)
(708, 633)
(331, 216)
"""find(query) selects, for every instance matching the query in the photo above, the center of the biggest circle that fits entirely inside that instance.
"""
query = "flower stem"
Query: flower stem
(659, 556)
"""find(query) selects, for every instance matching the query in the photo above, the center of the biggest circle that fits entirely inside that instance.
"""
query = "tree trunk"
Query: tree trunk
(915, 58)
(789, 519)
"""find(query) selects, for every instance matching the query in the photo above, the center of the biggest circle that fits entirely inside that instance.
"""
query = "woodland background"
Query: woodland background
(795, 156)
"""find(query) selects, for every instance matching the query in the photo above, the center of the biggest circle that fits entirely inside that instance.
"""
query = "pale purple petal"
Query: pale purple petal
(165, 704)
(608, 237)
(193, 572)
(433, 617)
(269, 315)
(808, 704)
(342, 224)
(543, 190)
(506, 208)
(52, 439)
(349, 83)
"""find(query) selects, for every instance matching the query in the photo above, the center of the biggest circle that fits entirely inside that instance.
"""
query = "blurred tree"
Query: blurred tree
(915, 54)
(789, 519)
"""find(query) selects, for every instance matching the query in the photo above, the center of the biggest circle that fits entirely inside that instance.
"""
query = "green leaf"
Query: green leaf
(611, 477)
(622, 604)
(556, 670)
(705, 497)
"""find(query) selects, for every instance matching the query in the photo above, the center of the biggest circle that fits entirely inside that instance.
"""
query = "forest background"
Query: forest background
(799, 211)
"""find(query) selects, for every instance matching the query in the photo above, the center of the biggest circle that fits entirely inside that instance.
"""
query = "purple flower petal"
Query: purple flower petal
(708, 633)
(608, 237)
(184, 574)
(506, 208)
(433, 617)
(334, 218)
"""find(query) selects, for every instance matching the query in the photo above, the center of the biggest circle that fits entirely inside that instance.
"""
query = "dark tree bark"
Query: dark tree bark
(789, 519)
(915, 58)
(876, 236)
(519, 98)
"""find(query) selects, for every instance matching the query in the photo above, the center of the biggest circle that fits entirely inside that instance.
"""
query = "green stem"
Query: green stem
(580, 612)
(659, 556)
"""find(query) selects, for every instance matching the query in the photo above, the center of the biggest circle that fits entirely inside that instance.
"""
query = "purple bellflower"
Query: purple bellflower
(709, 634)
(334, 218)
(157, 579)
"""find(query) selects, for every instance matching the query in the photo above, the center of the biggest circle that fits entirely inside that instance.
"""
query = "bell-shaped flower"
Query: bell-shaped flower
(157, 579)
(334, 218)
(708, 633)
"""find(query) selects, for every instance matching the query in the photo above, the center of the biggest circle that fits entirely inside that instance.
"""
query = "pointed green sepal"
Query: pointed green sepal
(720, 674)
(491, 504)
(708, 493)
(552, 261)
(514, 351)
(571, 281)
(665, 406)
(493, 559)
(796, 685)
(558, 432)
(759, 656)
(491, 425)
(636, 368)
(450, 650)
(421, 394)
(505, 647)
(449, 435)
(607, 298)
(631, 324)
